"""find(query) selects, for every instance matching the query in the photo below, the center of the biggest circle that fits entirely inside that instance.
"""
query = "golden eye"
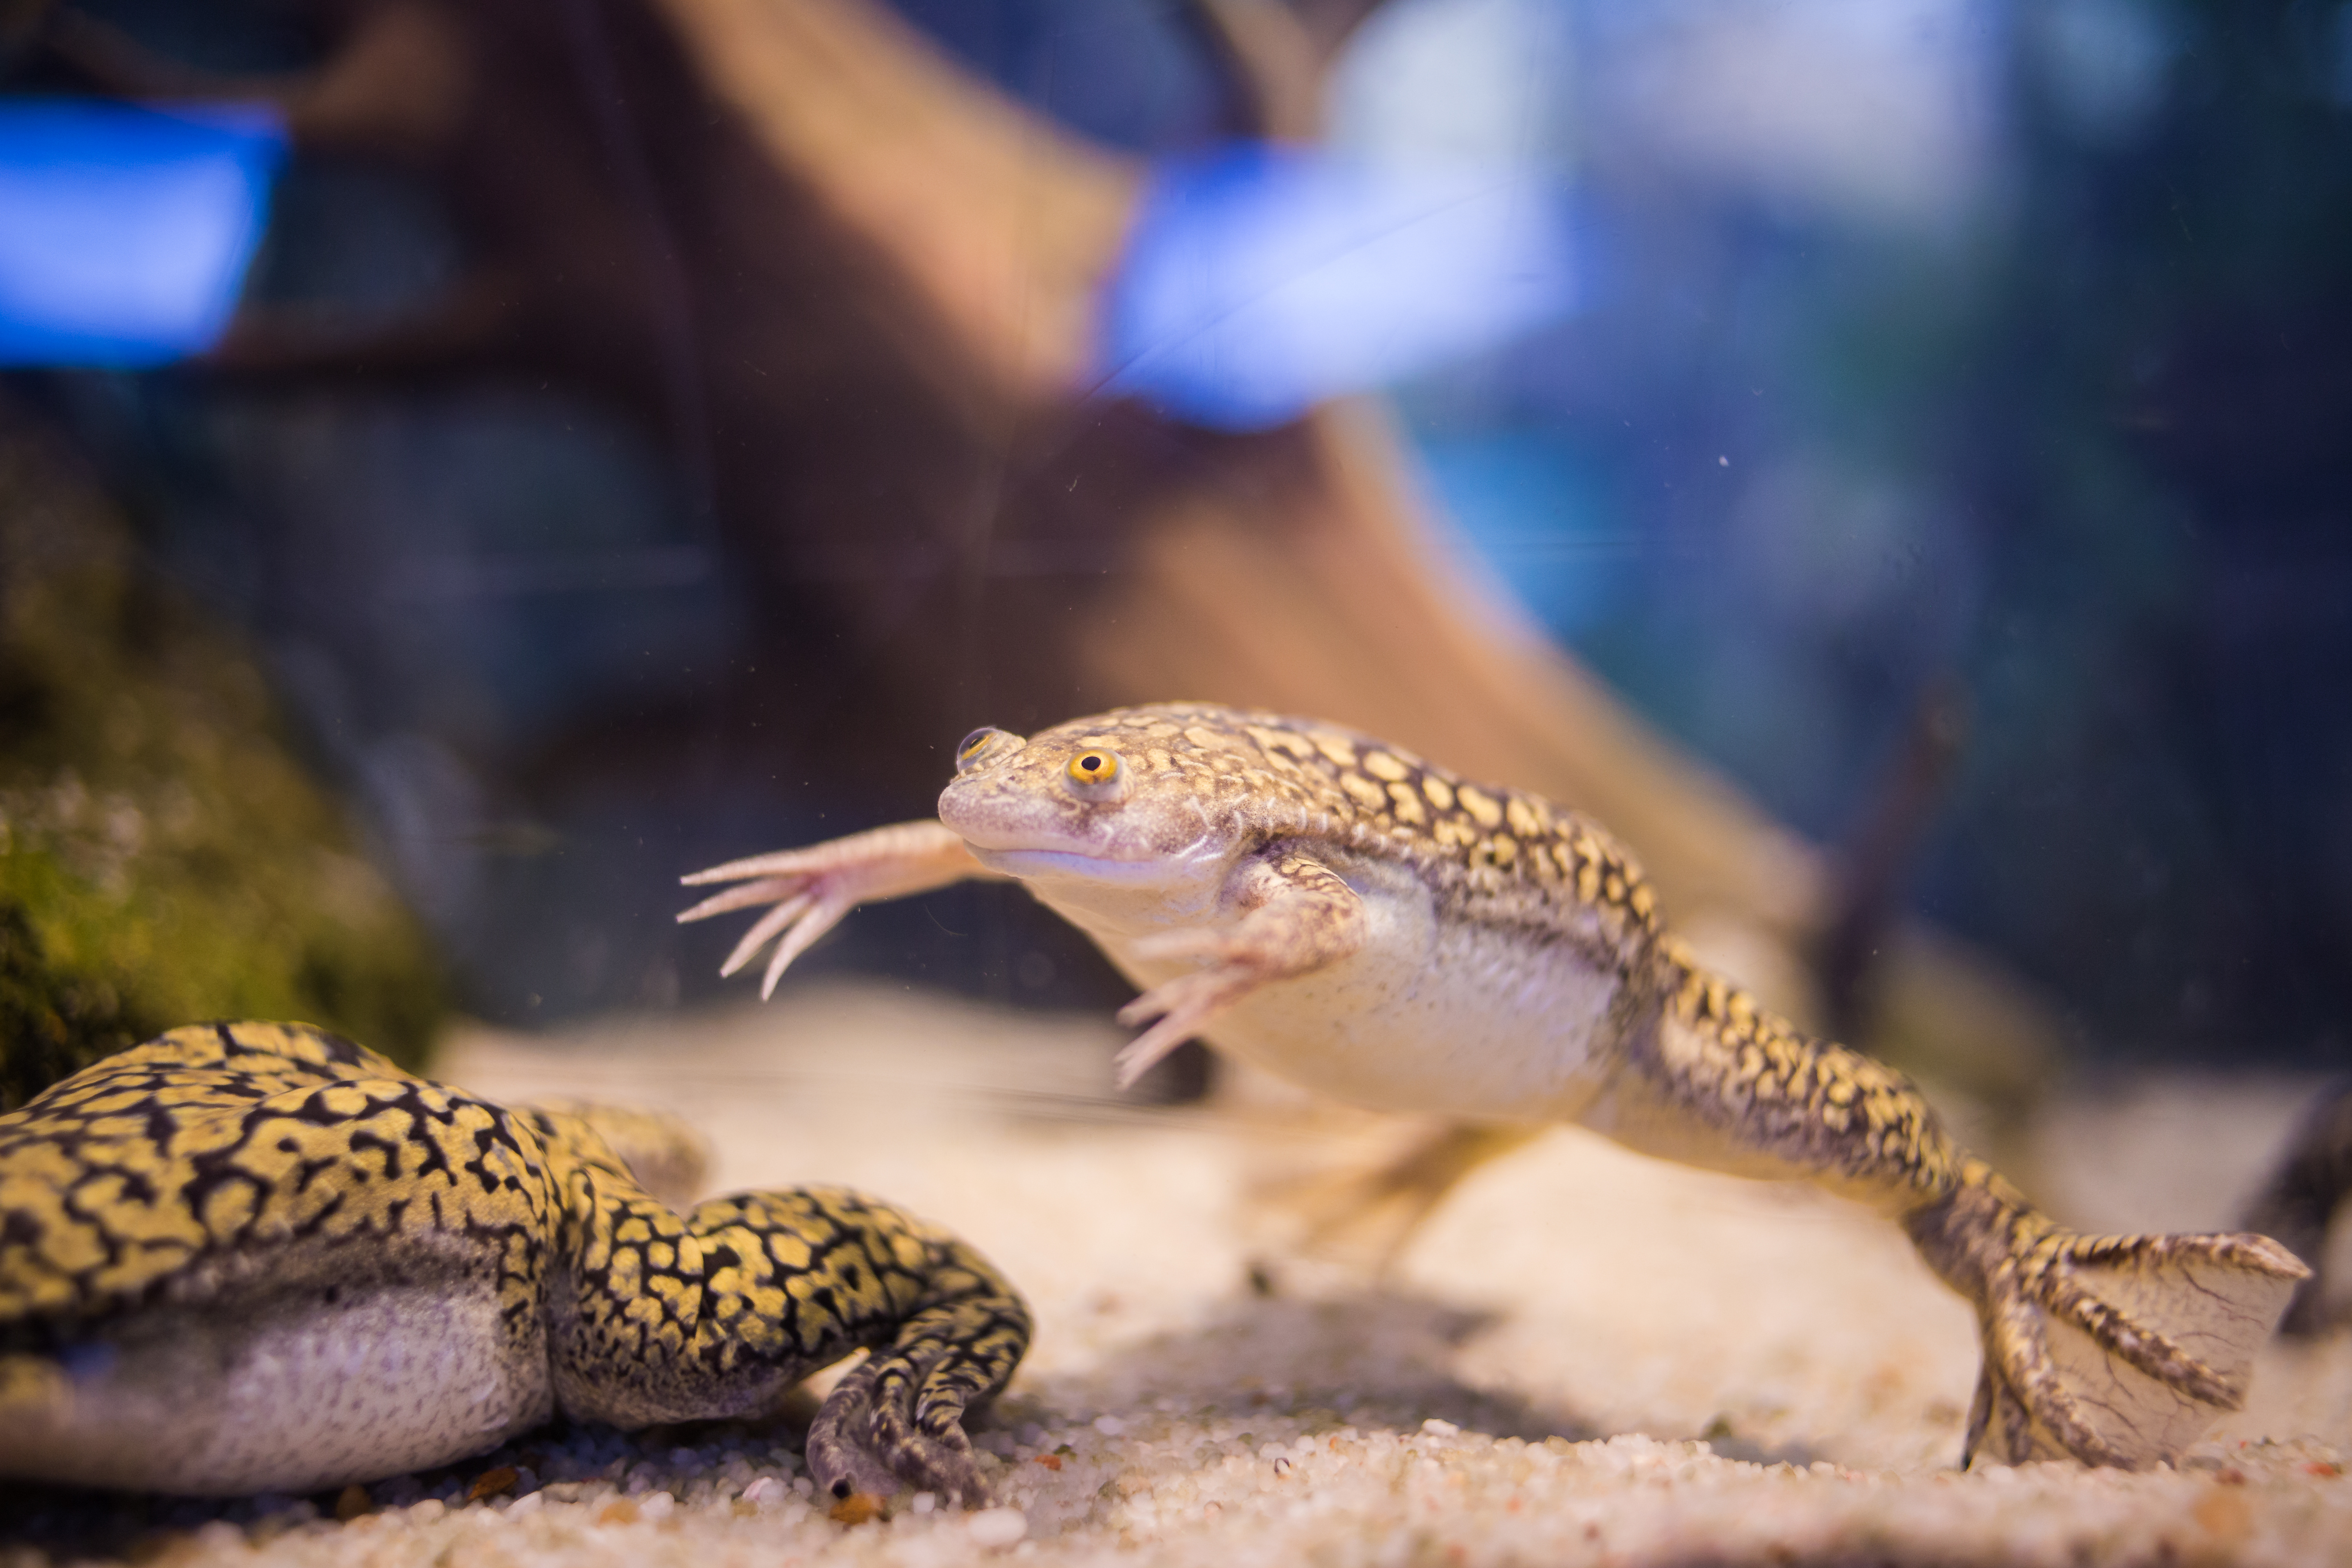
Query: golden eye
(974, 746)
(1095, 769)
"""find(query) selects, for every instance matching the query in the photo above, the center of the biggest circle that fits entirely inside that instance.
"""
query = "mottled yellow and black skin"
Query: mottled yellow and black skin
(1374, 926)
(311, 1268)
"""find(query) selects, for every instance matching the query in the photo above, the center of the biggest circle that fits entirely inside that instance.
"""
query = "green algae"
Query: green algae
(164, 856)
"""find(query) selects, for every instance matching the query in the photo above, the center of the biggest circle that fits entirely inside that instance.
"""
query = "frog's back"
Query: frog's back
(1507, 939)
(249, 1255)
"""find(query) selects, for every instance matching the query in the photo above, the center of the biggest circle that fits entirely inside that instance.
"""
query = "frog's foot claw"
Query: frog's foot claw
(1185, 1005)
(2298, 1204)
(870, 1437)
(812, 889)
(2115, 1349)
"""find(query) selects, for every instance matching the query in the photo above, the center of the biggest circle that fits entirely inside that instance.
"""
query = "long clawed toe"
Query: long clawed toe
(813, 888)
(2121, 1350)
(806, 906)
(1182, 1006)
(1185, 1005)
(867, 1438)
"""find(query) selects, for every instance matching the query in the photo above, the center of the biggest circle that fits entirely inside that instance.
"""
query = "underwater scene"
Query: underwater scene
(1360, 781)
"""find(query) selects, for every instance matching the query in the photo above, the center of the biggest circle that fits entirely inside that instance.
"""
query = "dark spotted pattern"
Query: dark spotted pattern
(191, 1162)
(1503, 857)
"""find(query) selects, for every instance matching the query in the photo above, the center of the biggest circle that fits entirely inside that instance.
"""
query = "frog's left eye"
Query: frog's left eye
(1095, 772)
(974, 746)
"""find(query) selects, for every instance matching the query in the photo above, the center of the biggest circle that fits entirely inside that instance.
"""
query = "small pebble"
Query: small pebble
(766, 1489)
(997, 1526)
(656, 1505)
(493, 1483)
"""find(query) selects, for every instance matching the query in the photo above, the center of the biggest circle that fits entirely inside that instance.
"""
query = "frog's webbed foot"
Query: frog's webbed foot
(1367, 1214)
(2115, 1349)
(812, 889)
(876, 1434)
(1297, 915)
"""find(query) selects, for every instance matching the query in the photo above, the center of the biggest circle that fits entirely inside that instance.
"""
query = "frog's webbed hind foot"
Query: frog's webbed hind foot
(873, 1435)
(2114, 1349)
(1369, 1213)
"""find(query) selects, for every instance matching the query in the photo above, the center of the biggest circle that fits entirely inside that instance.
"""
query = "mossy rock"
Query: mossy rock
(164, 856)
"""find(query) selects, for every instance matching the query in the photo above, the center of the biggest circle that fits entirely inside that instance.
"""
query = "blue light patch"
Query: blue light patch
(1538, 513)
(125, 231)
(1259, 281)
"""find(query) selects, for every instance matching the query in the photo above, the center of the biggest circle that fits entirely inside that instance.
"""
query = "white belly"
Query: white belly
(294, 1396)
(1453, 1018)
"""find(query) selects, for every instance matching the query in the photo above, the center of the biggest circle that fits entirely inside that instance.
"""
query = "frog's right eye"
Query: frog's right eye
(975, 745)
(1096, 774)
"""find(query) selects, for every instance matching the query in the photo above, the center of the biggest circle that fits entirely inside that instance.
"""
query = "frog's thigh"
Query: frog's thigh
(294, 1395)
(1677, 1094)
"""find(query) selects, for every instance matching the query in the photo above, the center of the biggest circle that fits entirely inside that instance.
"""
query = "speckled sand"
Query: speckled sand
(1585, 1357)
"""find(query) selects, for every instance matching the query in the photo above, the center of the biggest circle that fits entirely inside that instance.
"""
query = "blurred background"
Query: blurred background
(463, 466)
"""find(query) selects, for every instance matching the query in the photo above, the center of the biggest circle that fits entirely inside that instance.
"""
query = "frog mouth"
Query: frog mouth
(1030, 863)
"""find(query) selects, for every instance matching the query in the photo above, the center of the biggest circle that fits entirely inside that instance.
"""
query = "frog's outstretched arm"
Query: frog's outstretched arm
(2114, 1348)
(718, 1312)
(812, 889)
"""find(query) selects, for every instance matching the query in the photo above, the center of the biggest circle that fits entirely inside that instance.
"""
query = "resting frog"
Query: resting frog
(258, 1257)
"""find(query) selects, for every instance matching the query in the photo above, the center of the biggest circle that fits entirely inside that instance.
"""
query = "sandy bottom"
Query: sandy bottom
(1583, 1357)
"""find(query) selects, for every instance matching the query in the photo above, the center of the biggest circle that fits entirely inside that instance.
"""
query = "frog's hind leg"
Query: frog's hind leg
(1370, 1214)
(661, 1316)
(2114, 1349)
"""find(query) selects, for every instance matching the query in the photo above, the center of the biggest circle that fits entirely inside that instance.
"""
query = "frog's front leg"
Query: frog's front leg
(2115, 1349)
(812, 889)
(716, 1313)
(897, 1419)
(1282, 914)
